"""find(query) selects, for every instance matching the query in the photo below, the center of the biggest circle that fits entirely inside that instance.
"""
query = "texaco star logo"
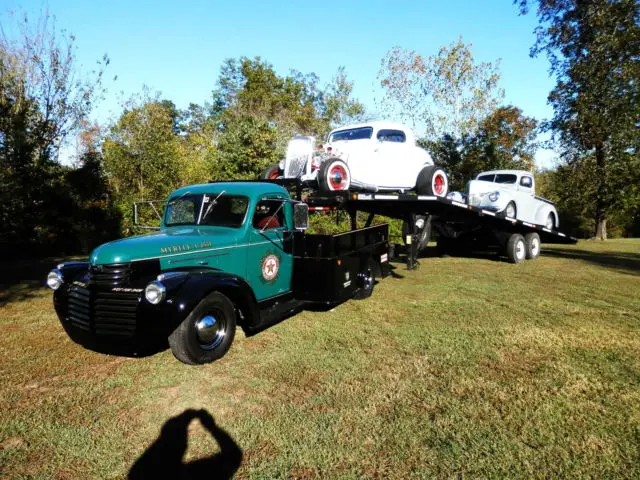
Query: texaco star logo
(270, 267)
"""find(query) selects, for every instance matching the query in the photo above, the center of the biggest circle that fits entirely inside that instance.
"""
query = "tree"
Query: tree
(446, 94)
(43, 100)
(504, 139)
(594, 49)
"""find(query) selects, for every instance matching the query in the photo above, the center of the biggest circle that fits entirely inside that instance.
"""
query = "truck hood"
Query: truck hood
(168, 242)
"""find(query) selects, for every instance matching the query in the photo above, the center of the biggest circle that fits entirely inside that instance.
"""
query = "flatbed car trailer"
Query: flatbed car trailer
(461, 227)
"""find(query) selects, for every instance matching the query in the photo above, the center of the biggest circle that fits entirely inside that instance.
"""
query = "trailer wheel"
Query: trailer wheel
(366, 281)
(532, 241)
(516, 248)
(511, 211)
(272, 172)
(423, 230)
(207, 332)
(432, 181)
(334, 175)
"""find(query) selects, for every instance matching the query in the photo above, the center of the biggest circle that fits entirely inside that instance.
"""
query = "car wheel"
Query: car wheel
(551, 221)
(532, 241)
(511, 211)
(422, 229)
(334, 175)
(366, 280)
(207, 332)
(432, 181)
(516, 248)
(272, 173)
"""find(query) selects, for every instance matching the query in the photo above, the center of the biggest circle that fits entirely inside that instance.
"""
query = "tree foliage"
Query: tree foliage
(447, 93)
(504, 139)
(594, 49)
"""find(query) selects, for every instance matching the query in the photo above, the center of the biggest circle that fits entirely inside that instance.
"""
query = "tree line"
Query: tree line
(453, 102)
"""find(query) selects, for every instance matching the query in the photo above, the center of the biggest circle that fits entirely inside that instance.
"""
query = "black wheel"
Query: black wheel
(272, 172)
(432, 181)
(516, 248)
(366, 281)
(511, 211)
(207, 332)
(334, 175)
(551, 221)
(532, 244)
(422, 229)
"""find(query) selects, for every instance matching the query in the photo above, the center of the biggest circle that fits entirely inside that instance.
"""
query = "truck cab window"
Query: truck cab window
(269, 214)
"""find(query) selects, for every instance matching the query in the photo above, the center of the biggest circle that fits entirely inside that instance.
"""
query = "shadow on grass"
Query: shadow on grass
(164, 457)
(623, 261)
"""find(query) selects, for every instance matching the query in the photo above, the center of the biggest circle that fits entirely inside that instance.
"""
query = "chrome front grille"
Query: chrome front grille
(299, 152)
(111, 275)
(102, 312)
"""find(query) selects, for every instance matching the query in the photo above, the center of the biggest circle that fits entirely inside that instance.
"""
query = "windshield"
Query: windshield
(351, 134)
(221, 210)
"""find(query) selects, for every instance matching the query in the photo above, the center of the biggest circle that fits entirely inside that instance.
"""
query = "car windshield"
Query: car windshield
(221, 210)
(351, 134)
(505, 178)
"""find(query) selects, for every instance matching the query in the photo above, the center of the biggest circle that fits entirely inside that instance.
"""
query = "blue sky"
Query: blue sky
(177, 48)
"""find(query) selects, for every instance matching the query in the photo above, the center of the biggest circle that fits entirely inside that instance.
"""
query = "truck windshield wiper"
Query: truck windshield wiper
(209, 208)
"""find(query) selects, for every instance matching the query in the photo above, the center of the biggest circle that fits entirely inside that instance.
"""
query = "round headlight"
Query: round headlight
(55, 279)
(494, 196)
(155, 293)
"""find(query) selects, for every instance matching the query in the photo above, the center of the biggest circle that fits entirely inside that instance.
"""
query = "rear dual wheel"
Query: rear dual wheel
(516, 249)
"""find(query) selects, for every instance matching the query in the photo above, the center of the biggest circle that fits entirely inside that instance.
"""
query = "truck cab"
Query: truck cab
(225, 254)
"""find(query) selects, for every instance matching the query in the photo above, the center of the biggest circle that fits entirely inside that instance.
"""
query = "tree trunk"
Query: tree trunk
(601, 216)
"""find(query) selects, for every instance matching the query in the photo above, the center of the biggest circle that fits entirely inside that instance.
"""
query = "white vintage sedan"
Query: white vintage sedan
(511, 192)
(374, 156)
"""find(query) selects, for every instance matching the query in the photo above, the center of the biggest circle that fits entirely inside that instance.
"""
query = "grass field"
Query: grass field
(465, 368)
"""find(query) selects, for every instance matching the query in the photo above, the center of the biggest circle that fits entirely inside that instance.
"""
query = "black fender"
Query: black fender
(185, 291)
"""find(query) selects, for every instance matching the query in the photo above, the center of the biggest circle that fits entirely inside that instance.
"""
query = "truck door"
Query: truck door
(270, 259)
(526, 204)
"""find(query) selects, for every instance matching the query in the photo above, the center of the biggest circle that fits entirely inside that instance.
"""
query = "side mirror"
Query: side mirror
(301, 216)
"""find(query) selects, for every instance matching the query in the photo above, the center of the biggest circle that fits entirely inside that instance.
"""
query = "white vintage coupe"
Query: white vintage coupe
(511, 192)
(375, 156)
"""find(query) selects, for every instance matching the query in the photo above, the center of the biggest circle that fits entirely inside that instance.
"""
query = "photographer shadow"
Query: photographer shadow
(164, 458)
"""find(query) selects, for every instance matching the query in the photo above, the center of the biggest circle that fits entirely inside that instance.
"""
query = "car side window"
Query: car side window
(526, 182)
(397, 136)
(486, 178)
(269, 214)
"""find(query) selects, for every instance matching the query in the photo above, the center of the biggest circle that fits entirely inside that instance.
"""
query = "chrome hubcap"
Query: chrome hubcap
(366, 280)
(210, 332)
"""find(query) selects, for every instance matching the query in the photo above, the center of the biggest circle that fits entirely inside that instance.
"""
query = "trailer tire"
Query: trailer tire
(423, 234)
(366, 281)
(516, 248)
(532, 241)
(272, 172)
(334, 175)
(207, 333)
(432, 181)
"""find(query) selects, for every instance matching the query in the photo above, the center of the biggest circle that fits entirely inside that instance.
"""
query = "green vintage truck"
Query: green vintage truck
(226, 254)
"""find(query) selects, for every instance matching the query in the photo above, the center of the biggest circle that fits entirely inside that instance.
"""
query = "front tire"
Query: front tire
(334, 175)
(511, 211)
(207, 333)
(516, 248)
(272, 172)
(432, 181)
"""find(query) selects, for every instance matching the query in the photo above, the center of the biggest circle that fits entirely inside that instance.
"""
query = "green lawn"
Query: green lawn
(466, 368)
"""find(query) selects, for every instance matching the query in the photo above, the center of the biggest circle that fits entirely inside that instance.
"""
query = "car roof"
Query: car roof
(250, 189)
(513, 172)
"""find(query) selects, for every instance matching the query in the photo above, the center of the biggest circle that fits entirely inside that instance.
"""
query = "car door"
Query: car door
(526, 204)
(270, 259)
(391, 159)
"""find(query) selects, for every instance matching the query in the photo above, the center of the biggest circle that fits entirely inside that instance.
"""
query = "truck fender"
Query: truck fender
(201, 283)
(543, 211)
